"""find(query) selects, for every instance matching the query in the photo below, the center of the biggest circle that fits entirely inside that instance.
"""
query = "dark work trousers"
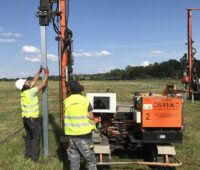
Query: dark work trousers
(32, 139)
(81, 146)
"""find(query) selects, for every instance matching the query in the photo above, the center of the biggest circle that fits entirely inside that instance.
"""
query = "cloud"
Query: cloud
(7, 40)
(9, 37)
(104, 70)
(17, 35)
(24, 74)
(145, 63)
(104, 52)
(30, 49)
(157, 53)
(37, 57)
(95, 54)
(10, 34)
(52, 57)
(34, 59)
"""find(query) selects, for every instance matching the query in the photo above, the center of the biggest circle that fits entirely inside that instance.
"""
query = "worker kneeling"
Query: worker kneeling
(79, 124)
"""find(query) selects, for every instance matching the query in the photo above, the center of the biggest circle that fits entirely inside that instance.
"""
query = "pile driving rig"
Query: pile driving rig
(191, 70)
(152, 122)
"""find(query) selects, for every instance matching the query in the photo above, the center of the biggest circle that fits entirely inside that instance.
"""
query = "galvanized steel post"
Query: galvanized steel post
(45, 93)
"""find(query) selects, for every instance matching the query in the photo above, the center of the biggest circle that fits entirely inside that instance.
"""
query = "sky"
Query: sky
(107, 34)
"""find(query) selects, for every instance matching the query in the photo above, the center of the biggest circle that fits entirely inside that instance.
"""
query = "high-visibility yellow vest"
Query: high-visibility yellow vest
(76, 120)
(29, 105)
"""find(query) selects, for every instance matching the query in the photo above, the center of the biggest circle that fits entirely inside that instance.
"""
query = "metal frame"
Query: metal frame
(166, 162)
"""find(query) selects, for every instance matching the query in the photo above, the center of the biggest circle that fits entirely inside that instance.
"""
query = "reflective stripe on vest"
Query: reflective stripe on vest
(30, 111)
(77, 124)
(29, 105)
(76, 119)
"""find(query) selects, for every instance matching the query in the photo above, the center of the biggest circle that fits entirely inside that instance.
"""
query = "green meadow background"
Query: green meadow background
(12, 133)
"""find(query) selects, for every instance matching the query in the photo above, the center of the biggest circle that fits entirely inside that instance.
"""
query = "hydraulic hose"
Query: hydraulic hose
(11, 136)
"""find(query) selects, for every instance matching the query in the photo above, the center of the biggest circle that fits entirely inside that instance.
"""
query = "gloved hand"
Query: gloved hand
(40, 70)
(46, 71)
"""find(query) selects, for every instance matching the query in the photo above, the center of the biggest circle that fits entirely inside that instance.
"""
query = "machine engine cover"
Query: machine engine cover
(161, 112)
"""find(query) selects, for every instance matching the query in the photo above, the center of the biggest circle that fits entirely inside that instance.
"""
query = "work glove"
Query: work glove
(40, 70)
(46, 71)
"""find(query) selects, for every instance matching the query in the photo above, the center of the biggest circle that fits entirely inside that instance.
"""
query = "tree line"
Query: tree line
(167, 69)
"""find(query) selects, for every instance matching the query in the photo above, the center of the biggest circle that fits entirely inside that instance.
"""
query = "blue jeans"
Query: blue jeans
(80, 146)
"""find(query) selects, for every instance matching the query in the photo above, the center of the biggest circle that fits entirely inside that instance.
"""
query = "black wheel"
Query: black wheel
(103, 167)
(151, 155)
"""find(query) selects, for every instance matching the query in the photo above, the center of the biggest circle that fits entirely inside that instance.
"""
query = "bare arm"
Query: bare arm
(33, 82)
(44, 80)
(90, 115)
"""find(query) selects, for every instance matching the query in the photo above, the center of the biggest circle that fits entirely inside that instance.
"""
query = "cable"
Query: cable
(59, 66)
(11, 136)
(67, 11)
(55, 27)
(54, 17)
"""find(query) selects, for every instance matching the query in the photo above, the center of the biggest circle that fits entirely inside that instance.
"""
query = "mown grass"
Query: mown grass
(11, 151)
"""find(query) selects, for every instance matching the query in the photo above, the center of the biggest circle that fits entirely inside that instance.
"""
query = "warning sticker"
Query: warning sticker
(147, 106)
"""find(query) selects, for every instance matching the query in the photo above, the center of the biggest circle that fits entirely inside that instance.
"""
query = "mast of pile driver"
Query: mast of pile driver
(64, 57)
(190, 53)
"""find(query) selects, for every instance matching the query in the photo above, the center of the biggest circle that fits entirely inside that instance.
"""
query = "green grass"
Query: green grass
(11, 151)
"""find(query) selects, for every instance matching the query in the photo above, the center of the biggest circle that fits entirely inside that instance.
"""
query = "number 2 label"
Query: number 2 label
(147, 116)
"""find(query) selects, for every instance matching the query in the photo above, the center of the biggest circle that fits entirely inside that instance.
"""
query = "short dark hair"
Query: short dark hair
(75, 87)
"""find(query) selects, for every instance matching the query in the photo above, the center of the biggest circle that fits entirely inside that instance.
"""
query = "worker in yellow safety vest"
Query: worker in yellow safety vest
(78, 126)
(31, 113)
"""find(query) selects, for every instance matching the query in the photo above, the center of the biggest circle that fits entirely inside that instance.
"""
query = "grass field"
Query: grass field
(11, 150)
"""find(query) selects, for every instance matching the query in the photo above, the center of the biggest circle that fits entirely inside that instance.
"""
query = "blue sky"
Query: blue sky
(107, 34)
